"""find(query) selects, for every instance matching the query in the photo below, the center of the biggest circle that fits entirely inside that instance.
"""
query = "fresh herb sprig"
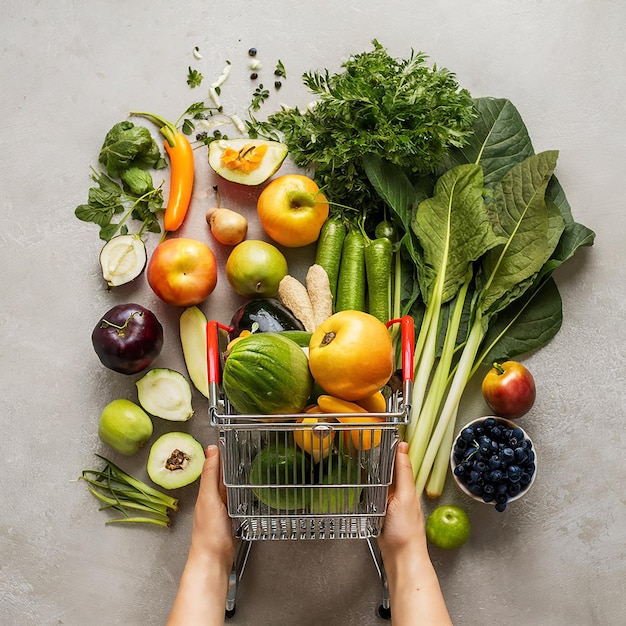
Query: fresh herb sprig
(194, 78)
(135, 199)
(137, 501)
(400, 109)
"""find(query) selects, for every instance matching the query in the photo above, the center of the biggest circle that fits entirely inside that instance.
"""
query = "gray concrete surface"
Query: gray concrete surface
(69, 71)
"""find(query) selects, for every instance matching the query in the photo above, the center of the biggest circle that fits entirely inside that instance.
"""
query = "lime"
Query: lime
(448, 527)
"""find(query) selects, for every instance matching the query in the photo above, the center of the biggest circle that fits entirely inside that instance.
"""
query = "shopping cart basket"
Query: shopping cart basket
(330, 474)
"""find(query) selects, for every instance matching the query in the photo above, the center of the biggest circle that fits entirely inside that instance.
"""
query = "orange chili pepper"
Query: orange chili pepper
(181, 158)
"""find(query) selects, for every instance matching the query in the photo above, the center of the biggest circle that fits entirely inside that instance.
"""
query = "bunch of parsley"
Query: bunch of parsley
(401, 110)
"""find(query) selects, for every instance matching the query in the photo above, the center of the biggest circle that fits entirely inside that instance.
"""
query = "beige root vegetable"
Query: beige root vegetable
(318, 288)
(295, 297)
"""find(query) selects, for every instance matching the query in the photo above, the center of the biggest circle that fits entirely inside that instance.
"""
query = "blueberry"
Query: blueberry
(495, 476)
(508, 455)
(474, 476)
(507, 433)
(501, 497)
(467, 433)
(459, 470)
(514, 489)
(525, 478)
(494, 462)
(485, 450)
(480, 466)
(500, 507)
(490, 422)
(479, 430)
(531, 456)
(487, 497)
(496, 432)
(501, 488)
(489, 488)
(518, 433)
(520, 455)
(477, 490)
(460, 444)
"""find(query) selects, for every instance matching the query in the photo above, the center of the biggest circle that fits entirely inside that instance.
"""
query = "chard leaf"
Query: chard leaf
(499, 141)
(526, 324)
(453, 229)
(520, 213)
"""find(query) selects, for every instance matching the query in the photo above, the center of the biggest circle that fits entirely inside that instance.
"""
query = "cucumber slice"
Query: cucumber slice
(165, 393)
(175, 460)
(193, 340)
(122, 259)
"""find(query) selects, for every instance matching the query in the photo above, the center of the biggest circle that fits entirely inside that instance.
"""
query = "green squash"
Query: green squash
(267, 374)
(336, 470)
(278, 464)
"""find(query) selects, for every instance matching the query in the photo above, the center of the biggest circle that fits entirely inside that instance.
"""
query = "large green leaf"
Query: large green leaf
(520, 213)
(526, 324)
(500, 140)
(454, 229)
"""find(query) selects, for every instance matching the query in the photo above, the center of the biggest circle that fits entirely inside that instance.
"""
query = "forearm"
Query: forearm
(201, 597)
(414, 590)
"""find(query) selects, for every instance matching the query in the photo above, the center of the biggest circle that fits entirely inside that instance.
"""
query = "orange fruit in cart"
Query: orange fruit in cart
(316, 440)
(351, 355)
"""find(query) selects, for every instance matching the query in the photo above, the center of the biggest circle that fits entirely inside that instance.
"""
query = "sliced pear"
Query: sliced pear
(193, 339)
(175, 460)
(246, 161)
(165, 393)
(122, 259)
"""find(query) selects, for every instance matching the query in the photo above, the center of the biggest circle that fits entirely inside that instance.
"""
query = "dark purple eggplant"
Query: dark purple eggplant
(127, 338)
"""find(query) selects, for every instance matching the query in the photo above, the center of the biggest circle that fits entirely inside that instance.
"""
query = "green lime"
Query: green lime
(448, 527)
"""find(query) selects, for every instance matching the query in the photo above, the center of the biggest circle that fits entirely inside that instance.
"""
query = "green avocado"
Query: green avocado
(277, 465)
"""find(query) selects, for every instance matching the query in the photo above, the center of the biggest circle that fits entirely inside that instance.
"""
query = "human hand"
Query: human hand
(212, 533)
(403, 529)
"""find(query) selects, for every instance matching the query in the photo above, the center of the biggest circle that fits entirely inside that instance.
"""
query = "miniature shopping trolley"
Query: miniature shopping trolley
(334, 469)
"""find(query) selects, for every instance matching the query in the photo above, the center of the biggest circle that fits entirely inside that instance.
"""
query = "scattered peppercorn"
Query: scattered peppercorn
(278, 84)
(252, 52)
(278, 72)
(254, 76)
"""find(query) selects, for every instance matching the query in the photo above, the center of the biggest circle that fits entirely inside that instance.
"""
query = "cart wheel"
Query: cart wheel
(384, 612)
(229, 612)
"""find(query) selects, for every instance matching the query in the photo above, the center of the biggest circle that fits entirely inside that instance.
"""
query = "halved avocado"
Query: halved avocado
(175, 460)
(165, 393)
(122, 259)
(246, 161)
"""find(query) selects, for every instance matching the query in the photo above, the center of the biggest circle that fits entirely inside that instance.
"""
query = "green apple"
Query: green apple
(254, 269)
(124, 426)
(448, 527)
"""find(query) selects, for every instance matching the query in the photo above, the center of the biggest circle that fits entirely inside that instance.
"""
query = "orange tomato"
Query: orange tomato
(292, 210)
(351, 355)
(316, 442)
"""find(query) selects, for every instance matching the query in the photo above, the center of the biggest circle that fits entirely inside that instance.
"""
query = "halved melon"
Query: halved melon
(246, 161)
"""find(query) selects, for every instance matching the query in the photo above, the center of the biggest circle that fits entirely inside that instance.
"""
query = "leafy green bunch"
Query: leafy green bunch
(400, 109)
(126, 191)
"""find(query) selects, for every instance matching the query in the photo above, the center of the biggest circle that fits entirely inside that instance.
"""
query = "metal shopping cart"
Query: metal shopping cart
(334, 469)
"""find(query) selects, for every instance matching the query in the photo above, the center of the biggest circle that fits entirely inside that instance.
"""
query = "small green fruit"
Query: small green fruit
(254, 269)
(448, 527)
(124, 426)
(175, 460)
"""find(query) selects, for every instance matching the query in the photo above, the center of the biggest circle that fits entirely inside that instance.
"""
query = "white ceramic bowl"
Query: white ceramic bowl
(462, 484)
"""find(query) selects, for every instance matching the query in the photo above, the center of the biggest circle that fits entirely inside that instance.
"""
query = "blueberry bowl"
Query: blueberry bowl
(493, 461)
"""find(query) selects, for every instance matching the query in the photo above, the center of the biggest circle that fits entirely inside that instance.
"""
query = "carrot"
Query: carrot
(181, 157)
(328, 252)
(378, 259)
(351, 283)
(295, 297)
(318, 288)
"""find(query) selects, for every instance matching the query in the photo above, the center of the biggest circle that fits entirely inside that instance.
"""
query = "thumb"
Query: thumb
(210, 478)
(404, 483)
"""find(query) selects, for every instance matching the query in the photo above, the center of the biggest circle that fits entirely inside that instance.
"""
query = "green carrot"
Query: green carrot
(378, 258)
(328, 253)
(352, 280)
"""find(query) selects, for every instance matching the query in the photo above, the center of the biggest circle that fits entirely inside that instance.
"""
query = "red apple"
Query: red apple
(182, 272)
(509, 389)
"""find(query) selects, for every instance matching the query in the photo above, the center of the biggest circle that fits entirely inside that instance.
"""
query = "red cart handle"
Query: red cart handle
(408, 344)
(213, 350)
